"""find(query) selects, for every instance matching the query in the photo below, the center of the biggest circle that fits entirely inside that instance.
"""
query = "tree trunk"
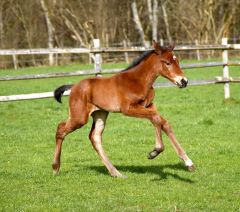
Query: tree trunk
(20, 15)
(155, 20)
(165, 17)
(138, 23)
(49, 29)
(152, 11)
(1, 26)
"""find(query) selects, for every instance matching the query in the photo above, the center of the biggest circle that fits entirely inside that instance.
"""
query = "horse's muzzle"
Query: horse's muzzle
(180, 81)
(183, 83)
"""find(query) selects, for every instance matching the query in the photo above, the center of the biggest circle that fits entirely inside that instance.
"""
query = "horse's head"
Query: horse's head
(169, 66)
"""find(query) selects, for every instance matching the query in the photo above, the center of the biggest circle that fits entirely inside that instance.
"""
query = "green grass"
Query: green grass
(206, 125)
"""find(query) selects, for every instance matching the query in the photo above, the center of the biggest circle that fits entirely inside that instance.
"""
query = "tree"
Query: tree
(138, 23)
(49, 29)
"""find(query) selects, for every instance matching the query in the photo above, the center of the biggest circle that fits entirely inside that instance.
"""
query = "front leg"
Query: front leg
(159, 146)
(151, 114)
(159, 123)
(176, 145)
(149, 98)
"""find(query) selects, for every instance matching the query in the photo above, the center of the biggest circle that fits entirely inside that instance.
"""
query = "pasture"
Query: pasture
(206, 126)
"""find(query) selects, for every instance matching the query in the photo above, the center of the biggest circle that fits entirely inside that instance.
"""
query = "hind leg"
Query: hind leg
(99, 119)
(63, 129)
(78, 118)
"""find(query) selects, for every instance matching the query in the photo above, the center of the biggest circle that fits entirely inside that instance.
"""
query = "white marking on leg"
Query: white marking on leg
(188, 162)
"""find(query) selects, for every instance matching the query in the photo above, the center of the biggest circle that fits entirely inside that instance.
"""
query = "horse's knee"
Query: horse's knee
(156, 120)
(60, 133)
(167, 127)
(65, 128)
(73, 124)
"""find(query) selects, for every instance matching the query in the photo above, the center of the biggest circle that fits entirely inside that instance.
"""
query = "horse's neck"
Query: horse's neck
(146, 72)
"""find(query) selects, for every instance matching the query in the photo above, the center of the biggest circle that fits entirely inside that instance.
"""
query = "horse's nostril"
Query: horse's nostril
(184, 82)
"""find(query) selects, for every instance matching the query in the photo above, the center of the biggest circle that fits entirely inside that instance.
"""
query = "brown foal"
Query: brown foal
(129, 92)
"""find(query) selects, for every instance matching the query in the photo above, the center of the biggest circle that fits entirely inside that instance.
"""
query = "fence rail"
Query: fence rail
(4, 52)
(97, 51)
(156, 85)
(109, 71)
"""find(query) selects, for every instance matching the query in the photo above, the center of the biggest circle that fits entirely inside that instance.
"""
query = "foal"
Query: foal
(129, 92)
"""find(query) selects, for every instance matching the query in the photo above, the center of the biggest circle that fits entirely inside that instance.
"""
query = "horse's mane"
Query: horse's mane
(139, 59)
(146, 54)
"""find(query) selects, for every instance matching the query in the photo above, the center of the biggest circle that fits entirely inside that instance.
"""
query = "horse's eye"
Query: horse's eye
(167, 63)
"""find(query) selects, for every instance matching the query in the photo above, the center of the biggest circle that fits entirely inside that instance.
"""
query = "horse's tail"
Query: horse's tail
(59, 92)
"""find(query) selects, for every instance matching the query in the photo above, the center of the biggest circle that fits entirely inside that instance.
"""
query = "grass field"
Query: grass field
(206, 125)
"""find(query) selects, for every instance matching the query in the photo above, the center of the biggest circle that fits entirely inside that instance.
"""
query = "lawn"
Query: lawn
(206, 125)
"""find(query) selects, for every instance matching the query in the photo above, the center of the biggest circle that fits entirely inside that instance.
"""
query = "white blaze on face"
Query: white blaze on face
(178, 79)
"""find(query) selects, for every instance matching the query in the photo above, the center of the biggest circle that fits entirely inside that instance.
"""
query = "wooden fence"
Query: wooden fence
(97, 51)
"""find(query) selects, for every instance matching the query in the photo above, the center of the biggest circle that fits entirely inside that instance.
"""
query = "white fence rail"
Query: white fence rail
(109, 71)
(97, 51)
(156, 85)
(10, 52)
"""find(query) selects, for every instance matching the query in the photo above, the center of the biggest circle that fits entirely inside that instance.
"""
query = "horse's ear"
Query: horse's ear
(171, 47)
(156, 47)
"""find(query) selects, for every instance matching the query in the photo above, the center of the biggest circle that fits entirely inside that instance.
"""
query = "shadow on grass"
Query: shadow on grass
(153, 169)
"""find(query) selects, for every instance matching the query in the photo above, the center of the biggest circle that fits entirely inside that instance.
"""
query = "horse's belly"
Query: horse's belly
(107, 101)
(108, 105)
(105, 94)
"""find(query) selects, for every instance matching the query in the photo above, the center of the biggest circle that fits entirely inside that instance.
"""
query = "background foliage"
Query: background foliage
(75, 23)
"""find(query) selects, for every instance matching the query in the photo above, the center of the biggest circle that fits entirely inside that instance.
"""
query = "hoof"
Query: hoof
(154, 154)
(56, 172)
(118, 175)
(55, 168)
(122, 177)
(191, 168)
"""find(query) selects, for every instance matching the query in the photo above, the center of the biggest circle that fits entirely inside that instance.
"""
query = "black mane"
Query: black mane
(139, 59)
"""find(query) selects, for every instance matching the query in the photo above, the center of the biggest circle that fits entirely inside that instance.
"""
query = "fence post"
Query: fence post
(161, 42)
(15, 61)
(198, 52)
(89, 55)
(56, 59)
(51, 59)
(225, 69)
(98, 59)
(125, 53)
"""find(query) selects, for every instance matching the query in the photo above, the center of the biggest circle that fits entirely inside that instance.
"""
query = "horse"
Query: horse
(129, 92)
